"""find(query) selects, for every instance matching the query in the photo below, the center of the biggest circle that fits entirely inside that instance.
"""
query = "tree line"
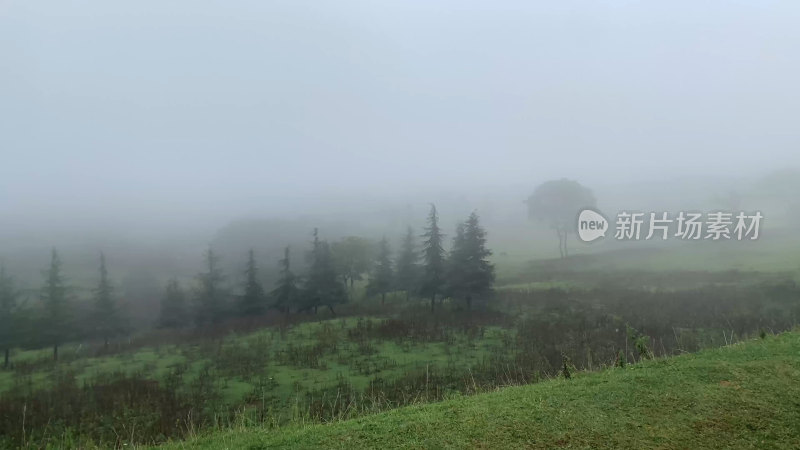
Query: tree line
(56, 319)
(422, 270)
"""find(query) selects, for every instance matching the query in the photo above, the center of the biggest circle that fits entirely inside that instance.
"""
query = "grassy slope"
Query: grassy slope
(157, 362)
(746, 395)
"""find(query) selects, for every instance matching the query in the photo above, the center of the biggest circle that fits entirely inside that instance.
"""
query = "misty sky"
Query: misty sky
(194, 104)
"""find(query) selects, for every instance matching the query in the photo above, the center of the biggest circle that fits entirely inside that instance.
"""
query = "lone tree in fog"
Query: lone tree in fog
(432, 280)
(210, 294)
(470, 275)
(381, 280)
(56, 320)
(558, 202)
(323, 287)
(253, 301)
(286, 292)
(352, 256)
(173, 306)
(9, 315)
(106, 318)
(407, 275)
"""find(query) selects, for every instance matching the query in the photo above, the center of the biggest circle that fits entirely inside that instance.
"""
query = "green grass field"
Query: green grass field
(340, 359)
(266, 386)
(741, 396)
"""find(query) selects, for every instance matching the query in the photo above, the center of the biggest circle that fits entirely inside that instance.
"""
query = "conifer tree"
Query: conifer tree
(407, 275)
(56, 320)
(210, 295)
(173, 306)
(433, 255)
(323, 287)
(381, 280)
(106, 318)
(455, 267)
(286, 292)
(10, 329)
(253, 301)
(470, 274)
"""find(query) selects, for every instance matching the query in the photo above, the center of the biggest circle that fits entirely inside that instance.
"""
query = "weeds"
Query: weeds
(292, 372)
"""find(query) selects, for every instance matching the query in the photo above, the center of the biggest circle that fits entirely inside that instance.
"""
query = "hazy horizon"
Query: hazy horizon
(186, 108)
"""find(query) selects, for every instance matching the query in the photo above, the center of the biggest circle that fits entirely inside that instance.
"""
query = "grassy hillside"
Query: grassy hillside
(745, 395)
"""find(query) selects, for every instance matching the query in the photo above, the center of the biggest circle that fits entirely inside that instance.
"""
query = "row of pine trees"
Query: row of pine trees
(419, 271)
(54, 320)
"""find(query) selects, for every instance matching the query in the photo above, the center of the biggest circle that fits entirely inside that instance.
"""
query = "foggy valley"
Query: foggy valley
(294, 224)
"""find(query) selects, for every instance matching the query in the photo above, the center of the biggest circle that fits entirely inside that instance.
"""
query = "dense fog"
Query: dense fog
(153, 130)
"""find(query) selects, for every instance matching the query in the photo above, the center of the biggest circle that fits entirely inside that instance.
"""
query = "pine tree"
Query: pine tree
(407, 276)
(470, 274)
(432, 280)
(286, 292)
(253, 301)
(210, 295)
(323, 287)
(106, 318)
(9, 320)
(455, 268)
(56, 323)
(381, 280)
(173, 306)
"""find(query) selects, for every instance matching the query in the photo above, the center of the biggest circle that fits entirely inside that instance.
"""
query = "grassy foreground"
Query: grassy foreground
(745, 395)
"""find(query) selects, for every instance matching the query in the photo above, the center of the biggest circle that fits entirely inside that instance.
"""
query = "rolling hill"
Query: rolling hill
(745, 395)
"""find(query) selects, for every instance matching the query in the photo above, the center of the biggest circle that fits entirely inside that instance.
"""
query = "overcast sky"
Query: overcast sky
(187, 104)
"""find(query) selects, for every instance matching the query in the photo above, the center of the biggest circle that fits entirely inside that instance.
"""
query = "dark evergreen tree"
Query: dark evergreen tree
(173, 306)
(323, 286)
(433, 275)
(253, 302)
(106, 318)
(455, 267)
(407, 275)
(56, 323)
(10, 330)
(286, 293)
(470, 275)
(210, 296)
(382, 277)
